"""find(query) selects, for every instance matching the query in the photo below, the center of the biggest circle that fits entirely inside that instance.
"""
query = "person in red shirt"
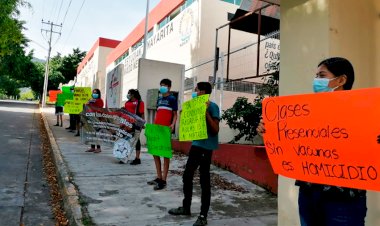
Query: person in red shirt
(96, 101)
(135, 106)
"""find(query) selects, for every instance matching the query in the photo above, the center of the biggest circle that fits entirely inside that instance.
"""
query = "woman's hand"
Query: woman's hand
(261, 128)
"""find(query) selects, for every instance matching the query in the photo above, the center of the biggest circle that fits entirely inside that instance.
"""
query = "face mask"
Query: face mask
(194, 94)
(128, 96)
(95, 95)
(322, 85)
(164, 89)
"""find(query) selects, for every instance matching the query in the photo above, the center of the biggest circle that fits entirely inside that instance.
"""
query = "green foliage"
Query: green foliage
(9, 86)
(27, 96)
(245, 116)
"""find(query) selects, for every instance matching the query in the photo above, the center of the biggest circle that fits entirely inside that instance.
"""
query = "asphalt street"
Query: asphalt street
(24, 193)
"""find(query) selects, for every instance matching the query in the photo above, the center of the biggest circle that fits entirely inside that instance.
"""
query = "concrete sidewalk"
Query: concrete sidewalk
(117, 194)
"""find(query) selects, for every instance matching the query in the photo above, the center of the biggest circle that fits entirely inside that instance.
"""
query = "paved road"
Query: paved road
(24, 193)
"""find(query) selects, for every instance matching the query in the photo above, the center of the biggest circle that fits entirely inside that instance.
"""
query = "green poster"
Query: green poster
(66, 89)
(62, 97)
(192, 124)
(82, 94)
(158, 140)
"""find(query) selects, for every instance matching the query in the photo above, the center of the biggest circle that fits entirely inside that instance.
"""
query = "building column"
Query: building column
(312, 30)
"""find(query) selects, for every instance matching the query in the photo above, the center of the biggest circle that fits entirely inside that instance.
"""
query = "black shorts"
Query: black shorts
(58, 110)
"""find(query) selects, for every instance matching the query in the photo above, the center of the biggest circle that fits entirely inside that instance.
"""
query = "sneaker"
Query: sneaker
(56, 124)
(179, 211)
(202, 220)
(153, 182)
(160, 185)
(136, 162)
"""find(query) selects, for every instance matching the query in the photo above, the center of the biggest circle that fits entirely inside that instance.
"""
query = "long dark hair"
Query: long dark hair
(340, 66)
(98, 92)
(135, 93)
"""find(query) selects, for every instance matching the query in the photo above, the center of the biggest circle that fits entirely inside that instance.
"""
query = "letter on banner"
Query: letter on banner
(326, 138)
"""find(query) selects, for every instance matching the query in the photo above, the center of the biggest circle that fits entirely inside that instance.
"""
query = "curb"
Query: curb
(68, 191)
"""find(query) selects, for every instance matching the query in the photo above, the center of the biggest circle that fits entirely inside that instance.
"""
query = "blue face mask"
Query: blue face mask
(194, 94)
(164, 89)
(95, 95)
(322, 85)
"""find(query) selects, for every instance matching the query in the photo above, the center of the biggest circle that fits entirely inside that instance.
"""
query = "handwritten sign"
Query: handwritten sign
(192, 124)
(82, 94)
(327, 138)
(73, 107)
(62, 97)
(158, 140)
(53, 95)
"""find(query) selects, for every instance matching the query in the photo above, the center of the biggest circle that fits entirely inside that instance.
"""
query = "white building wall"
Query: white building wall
(189, 39)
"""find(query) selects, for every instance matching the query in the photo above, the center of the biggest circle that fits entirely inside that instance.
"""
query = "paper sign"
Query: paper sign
(158, 140)
(62, 97)
(73, 107)
(82, 94)
(192, 124)
(53, 95)
(327, 138)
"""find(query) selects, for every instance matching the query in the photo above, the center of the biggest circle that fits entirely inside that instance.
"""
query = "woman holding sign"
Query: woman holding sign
(135, 106)
(325, 205)
(96, 101)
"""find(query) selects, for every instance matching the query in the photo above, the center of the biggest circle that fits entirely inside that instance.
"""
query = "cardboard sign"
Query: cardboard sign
(158, 140)
(192, 124)
(327, 138)
(53, 95)
(82, 94)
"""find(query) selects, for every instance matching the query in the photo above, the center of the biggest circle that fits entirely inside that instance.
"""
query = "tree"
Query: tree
(70, 64)
(244, 116)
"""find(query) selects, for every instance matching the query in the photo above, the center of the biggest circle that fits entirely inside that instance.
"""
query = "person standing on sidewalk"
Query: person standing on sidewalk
(200, 155)
(59, 113)
(166, 115)
(135, 105)
(97, 102)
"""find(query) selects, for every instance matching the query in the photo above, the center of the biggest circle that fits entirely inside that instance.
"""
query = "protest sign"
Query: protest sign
(192, 125)
(53, 95)
(327, 138)
(82, 94)
(72, 107)
(158, 140)
(62, 97)
(117, 128)
(66, 89)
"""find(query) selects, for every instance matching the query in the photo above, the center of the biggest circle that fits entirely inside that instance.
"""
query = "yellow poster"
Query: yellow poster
(73, 107)
(82, 94)
(192, 124)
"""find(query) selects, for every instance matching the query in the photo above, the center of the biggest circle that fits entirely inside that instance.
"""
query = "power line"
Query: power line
(72, 27)
(59, 11)
(64, 18)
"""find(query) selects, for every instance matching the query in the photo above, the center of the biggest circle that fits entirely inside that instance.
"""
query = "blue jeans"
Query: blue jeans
(318, 208)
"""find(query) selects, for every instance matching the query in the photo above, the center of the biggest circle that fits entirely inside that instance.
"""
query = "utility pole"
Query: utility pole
(51, 31)
(146, 29)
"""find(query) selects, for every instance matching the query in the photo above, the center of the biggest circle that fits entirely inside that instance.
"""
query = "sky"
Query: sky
(83, 22)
